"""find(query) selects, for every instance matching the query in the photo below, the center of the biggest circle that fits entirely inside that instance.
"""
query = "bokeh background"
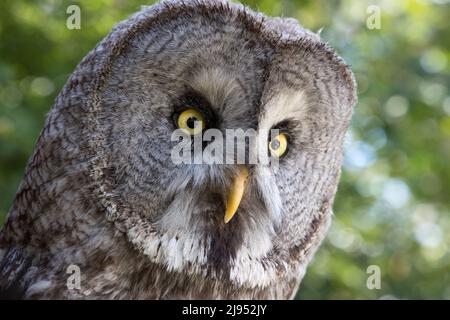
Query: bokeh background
(393, 205)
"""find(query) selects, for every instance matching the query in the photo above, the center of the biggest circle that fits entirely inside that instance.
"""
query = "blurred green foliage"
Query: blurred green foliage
(392, 207)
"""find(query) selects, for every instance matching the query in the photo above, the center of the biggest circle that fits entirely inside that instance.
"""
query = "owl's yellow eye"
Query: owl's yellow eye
(191, 121)
(278, 145)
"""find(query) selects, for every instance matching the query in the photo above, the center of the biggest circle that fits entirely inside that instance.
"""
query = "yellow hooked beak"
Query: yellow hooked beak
(235, 195)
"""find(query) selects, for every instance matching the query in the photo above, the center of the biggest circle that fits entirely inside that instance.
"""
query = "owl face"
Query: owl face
(219, 66)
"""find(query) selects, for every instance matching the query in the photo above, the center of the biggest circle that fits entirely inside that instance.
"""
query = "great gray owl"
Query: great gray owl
(102, 193)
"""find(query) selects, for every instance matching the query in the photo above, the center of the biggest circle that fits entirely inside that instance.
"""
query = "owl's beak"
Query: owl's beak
(235, 194)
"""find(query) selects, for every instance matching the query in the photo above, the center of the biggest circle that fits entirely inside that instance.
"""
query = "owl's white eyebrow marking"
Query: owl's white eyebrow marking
(289, 104)
(286, 105)
(215, 84)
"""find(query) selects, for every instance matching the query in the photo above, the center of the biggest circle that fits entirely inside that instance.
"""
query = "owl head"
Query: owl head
(206, 67)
